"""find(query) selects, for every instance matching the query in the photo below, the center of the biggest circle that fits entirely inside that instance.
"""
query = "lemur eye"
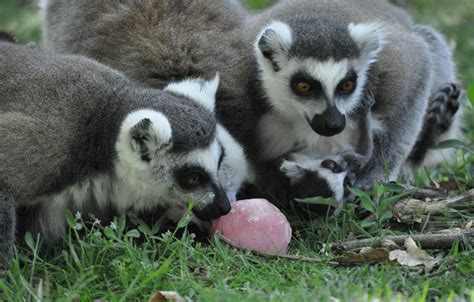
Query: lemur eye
(330, 165)
(190, 178)
(303, 88)
(193, 180)
(348, 86)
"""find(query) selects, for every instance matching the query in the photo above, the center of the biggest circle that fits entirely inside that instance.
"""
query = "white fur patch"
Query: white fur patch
(234, 168)
(198, 90)
(277, 137)
(376, 124)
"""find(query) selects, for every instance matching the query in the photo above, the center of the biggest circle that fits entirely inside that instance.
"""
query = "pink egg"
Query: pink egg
(255, 224)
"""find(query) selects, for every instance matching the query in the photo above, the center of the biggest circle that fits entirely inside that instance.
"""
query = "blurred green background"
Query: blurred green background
(454, 18)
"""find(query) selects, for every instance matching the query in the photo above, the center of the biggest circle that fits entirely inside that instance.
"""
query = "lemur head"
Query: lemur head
(314, 71)
(326, 177)
(234, 168)
(166, 175)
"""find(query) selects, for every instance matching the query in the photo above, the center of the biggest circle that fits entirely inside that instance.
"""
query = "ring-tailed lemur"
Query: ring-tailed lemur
(79, 135)
(316, 57)
(176, 41)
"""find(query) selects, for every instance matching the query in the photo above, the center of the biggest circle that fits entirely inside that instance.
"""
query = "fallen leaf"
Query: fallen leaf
(414, 256)
(469, 225)
(166, 296)
(389, 244)
(366, 256)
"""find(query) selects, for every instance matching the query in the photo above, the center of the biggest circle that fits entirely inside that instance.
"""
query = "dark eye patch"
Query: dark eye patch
(182, 176)
(302, 77)
(351, 76)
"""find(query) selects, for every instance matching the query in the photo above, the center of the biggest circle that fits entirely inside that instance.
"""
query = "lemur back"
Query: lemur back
(157, 42)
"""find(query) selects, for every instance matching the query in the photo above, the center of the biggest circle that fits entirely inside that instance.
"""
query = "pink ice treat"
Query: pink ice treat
(255, 224)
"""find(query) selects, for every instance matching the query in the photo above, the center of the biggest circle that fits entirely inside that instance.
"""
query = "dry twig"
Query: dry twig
(427, 241)
(437, 207)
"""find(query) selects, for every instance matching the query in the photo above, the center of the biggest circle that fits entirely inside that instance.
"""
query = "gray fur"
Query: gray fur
(7, 228)
(320, 35)
(64, 145)
(156, 42)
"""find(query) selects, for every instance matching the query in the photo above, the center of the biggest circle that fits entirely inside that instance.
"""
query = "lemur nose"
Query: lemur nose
(334, 120)
(329, 123)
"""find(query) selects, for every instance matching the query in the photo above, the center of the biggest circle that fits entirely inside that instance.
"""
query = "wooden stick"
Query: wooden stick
(427, 226)
(422, 194)
(427, 241)
(438, 207)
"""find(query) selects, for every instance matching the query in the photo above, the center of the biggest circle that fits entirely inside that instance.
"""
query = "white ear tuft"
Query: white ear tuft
(143, 132)
(369, 37)
(201, 91)
(274, 42)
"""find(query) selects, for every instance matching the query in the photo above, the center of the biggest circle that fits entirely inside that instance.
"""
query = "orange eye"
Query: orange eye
(193, 180)
(348, 86)
(303, 87)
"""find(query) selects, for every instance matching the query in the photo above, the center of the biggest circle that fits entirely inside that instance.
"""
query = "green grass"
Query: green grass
(105, 263)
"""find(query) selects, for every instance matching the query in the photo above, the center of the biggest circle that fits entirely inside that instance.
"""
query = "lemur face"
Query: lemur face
(326, 177)
(310, 83)
(234, 168)
(159, 176)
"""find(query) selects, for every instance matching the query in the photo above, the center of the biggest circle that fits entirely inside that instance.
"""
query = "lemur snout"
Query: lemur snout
(329, 123)
(219, 206)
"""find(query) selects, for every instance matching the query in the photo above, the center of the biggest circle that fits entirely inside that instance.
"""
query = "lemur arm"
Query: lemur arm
(7, 229)
(365, 144)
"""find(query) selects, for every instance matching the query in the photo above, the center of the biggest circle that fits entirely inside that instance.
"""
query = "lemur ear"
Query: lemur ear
(274, 43)
(369, 37)
(149, 131)
(201, 91)
(292, 170)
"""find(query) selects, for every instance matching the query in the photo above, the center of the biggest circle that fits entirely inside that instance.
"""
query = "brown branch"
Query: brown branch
(437, 207)
(427, 241)
(287, 257)
(422, 194)
(427, 226)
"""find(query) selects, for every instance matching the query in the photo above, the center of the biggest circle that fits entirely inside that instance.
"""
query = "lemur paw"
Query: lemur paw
(444, 105)
(367, 182)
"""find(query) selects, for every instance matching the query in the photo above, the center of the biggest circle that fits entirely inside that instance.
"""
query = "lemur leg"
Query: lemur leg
(7, 229)
(440, 116)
